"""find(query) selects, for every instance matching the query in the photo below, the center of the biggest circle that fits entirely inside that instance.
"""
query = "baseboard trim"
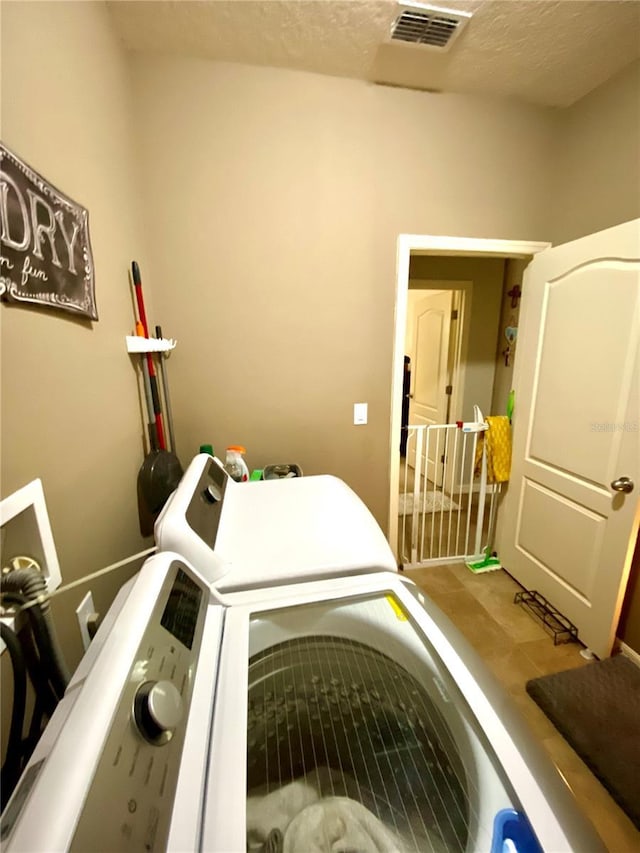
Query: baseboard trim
(628, 652)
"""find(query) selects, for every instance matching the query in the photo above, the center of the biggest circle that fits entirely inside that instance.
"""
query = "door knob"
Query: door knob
(622, 484)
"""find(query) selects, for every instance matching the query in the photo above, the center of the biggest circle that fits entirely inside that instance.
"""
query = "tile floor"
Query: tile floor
(516, 648)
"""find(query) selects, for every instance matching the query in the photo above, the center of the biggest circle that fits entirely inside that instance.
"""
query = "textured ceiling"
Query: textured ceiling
(541, 51)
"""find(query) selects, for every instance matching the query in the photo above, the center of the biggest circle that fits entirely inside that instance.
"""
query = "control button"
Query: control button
(158, 709)
(132, 769)
(152, 828)
(164, 779)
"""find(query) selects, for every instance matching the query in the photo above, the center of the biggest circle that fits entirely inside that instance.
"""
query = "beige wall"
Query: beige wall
(70, 411)
(274, 200)
(596, 167)
(486, 276)
(509, 316)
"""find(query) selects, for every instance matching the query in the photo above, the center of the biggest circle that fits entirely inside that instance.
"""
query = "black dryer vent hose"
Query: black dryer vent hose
(31, 584)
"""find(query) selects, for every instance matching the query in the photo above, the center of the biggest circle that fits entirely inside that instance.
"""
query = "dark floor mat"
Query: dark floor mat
(596, 708)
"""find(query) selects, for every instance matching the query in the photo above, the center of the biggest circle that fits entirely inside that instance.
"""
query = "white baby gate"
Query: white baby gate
(443, 496)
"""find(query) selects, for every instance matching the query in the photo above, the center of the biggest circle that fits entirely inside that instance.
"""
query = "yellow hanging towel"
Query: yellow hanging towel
(498, 441)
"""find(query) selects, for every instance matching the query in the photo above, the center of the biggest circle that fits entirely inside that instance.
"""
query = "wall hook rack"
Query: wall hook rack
(138, 344)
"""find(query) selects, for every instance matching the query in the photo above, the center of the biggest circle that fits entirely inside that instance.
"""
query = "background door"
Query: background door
(431, 325)
(565, 531)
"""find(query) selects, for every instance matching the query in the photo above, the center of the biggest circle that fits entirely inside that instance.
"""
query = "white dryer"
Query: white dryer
(254, 535)
(343, 713)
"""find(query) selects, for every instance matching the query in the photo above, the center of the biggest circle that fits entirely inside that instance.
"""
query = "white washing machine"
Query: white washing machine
(256, 535)
(339, 714)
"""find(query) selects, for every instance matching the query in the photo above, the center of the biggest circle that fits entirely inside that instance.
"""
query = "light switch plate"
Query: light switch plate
(84, 610)
(359, 413)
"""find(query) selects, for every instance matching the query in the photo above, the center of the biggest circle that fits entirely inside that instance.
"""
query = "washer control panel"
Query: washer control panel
(205, 507)
(129, 804)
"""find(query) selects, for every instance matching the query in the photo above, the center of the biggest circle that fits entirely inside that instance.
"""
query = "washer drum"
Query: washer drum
(348, 721)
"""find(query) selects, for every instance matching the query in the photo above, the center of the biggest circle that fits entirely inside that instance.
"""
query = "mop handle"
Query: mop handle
(167, 400)
(153, 438)
(137, 281)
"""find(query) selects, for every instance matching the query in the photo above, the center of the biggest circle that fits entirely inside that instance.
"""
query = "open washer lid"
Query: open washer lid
(252, 535)
(355, 696)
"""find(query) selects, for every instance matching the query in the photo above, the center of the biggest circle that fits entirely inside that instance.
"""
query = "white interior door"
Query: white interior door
(566, 531)
(431, 324)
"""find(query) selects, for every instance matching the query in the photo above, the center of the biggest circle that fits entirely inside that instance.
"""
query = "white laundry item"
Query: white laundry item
(276, 811)
(336, 824)
(267, 811)
(339, 823)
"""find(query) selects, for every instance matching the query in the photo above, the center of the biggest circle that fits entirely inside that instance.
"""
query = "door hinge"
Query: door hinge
(443, 458)
(448, 390)
(454, 314)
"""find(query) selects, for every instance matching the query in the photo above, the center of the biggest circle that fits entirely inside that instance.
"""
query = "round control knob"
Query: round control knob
(157, 710)
(212, 494)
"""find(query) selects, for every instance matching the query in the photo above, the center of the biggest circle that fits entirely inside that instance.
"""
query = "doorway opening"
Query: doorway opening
(450, 319)
(436, 344)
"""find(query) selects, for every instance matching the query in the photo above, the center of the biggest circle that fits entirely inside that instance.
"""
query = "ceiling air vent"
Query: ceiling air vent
(428, 26)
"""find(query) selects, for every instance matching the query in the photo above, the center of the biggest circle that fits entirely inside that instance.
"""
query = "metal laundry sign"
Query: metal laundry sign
(46, 253)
